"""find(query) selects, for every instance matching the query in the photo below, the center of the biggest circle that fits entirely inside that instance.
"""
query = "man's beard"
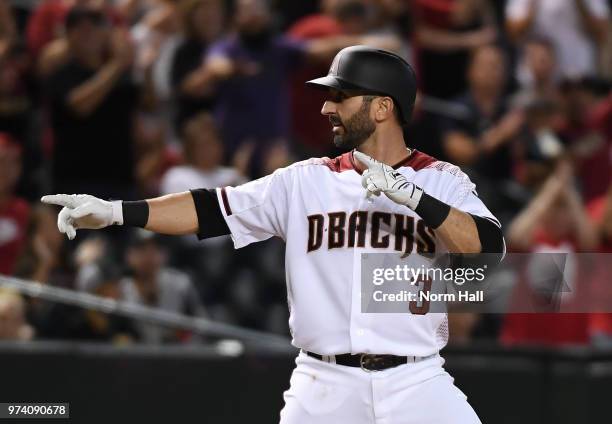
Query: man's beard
(357, 129)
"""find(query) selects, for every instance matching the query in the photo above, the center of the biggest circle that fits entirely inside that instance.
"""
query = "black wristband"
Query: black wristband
(432, 211)
(136, 213)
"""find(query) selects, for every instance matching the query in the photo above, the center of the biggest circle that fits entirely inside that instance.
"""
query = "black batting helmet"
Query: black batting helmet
(372, 70)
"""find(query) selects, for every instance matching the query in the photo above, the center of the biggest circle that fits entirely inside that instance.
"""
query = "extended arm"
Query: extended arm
(174, 214)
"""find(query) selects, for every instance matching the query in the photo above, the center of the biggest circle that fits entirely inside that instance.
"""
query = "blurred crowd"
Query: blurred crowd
(130, 99)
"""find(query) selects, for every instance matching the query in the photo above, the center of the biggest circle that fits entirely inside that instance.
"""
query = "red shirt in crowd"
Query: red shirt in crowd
(308, 125)
(14, 215)
(601, 322)
(551, 329)
(595, 169)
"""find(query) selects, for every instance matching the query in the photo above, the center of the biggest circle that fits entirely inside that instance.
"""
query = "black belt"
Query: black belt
(368, 362)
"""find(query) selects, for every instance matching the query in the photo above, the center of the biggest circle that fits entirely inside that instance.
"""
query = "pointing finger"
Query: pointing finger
(367, 160)
(67, 200)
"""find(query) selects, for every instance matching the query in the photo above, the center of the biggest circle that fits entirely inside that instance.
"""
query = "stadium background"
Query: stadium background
(126, 100)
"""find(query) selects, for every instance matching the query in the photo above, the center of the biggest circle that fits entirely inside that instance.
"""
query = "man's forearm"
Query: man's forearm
(85, 98)
(459, 234)
(173, 214)
(322, 50)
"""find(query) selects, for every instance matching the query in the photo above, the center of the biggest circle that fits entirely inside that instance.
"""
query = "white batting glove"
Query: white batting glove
(381, 178)
(84, 211)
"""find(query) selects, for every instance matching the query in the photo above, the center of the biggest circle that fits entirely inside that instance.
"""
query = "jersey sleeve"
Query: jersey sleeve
(460, 192)
(257, 210)
(473, 205)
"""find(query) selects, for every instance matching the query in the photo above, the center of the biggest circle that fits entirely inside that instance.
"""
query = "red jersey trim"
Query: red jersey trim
(345, 162)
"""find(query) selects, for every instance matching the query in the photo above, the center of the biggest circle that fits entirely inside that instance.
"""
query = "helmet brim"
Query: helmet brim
(330, 81)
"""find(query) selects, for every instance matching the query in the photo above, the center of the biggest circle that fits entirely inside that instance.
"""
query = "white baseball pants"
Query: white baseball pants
(417, 393)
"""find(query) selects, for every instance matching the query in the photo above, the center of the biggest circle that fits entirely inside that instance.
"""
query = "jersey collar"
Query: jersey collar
(345, 162)
(404, 162)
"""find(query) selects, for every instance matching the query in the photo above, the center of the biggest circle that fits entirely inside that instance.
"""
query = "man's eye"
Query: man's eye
(338, 98)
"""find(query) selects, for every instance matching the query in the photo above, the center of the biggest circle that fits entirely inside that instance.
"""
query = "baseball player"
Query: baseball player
(352, 367)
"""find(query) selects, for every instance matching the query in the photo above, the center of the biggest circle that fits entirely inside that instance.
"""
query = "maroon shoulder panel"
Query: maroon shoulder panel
(417, 160)
(344, 162)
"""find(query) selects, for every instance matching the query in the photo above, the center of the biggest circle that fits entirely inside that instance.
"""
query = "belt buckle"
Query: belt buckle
(364, 359)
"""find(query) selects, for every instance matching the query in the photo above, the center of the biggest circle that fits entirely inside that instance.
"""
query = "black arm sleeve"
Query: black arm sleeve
(490, 234)
(492, 250)
(210, 218)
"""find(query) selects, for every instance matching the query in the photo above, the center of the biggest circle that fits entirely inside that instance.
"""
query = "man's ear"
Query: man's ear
(384, 109)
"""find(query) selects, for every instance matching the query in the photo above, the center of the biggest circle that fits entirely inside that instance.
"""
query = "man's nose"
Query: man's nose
(329, 108)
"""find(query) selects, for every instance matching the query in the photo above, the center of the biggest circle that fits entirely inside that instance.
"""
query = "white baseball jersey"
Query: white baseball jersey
(319, 208)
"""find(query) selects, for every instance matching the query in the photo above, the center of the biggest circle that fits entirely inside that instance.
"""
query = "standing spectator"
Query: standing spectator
(576, 28)
(555, 221)
(251, 70)
(480, 141)
(92, 102)
(207, 260)
(349, 17)
(203, 156)
(555, 218)
(151, 283)
(586, 125)
(445, 31)
(14, 212)
(538, 143)
(155, 37)
(202, 25)
(541, 80)
(17, 116)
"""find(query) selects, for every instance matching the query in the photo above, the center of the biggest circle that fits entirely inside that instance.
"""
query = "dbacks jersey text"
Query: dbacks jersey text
(319, 208)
